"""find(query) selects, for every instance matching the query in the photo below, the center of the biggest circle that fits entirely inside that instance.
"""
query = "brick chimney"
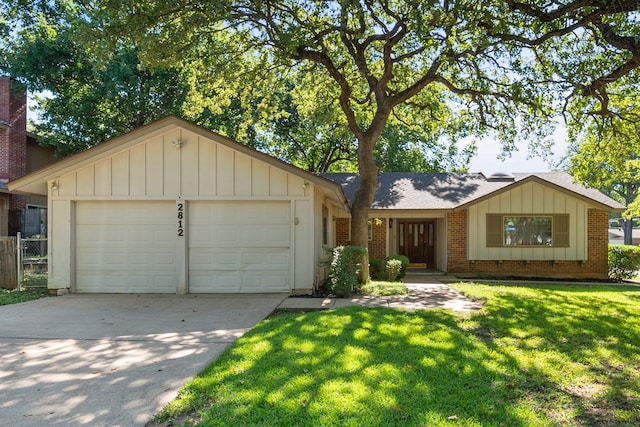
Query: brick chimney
(13, 134)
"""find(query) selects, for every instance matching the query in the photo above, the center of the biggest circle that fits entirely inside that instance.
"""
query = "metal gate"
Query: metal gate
(32, 261)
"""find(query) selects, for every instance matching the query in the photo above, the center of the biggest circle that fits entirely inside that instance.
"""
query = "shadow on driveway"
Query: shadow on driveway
(112, 360)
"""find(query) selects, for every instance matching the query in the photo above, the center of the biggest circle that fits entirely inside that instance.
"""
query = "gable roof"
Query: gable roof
(36, 182)
(449, 191)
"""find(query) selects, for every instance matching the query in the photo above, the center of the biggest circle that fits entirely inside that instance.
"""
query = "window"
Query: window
(527, 230)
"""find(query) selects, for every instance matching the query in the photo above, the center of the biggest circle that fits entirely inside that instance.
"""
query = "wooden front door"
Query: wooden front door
(417, 241)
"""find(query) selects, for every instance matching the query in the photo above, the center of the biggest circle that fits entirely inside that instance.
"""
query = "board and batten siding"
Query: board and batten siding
(152, 168)
(531, 198)
(157, 169)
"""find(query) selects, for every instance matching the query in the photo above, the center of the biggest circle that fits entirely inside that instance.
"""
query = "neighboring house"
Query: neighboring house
(616, 236)
(174, 208)
(525, 225)
(20, 154)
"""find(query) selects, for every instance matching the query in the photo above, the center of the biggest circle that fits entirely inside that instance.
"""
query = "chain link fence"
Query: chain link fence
(32, 262)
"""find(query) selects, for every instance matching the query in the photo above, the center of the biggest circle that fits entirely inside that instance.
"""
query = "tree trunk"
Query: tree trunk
(630, 193)
(368, 171)
(628, 231)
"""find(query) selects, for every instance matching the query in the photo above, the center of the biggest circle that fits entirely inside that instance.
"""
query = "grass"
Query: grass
(35, 280)
(14, 296)
(534, 356)
(379, 288)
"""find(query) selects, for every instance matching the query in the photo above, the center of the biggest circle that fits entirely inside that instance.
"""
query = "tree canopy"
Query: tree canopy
(498, 65)
(606, 155)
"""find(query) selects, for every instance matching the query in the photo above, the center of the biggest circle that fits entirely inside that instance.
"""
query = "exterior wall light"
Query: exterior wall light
(179, 143)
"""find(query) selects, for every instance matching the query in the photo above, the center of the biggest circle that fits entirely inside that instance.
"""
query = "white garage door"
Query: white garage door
(125, 247)
(238, 246)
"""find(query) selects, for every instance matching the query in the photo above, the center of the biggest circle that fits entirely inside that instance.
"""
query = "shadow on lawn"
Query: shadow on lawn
(376, 366)
(594, 336)
(361, 366)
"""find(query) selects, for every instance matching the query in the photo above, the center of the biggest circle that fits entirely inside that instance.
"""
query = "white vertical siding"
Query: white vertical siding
(302, 259)
(153, 168)
(202, 168)
(60, 215)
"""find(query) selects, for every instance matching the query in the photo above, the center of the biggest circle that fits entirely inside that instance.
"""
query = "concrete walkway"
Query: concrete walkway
(426, 291)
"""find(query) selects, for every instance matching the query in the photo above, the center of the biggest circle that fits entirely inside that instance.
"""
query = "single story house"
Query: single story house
(522, 225)
(174, 208)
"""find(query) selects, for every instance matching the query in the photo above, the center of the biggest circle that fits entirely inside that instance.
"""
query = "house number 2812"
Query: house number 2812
(180, 217)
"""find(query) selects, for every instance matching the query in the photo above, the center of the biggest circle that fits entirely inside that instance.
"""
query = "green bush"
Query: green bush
(624, 261)
(405, 263)
(377, 269)
(344, 267)
(394, 266)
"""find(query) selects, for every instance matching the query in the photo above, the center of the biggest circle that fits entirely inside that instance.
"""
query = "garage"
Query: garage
(125, 247)
(239, 246)
(174, 208)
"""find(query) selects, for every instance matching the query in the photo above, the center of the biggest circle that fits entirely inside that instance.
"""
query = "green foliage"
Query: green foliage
(384, 288)
(403, 260)
(624, 261)
(14, 296)
(605, 156)
(344, 267)
(377, 269)
(394, 268)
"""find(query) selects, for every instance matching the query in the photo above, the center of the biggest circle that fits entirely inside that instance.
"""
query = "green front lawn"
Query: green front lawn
(534, 356)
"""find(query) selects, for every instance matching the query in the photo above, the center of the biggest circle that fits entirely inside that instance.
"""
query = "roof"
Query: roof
(448, 191)
(36, 182)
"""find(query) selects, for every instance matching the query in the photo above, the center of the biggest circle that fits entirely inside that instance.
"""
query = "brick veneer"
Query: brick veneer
(13, 143)
(595, 267)
(377, 244)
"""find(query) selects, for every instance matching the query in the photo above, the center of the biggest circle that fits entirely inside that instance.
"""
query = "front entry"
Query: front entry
(417, 241)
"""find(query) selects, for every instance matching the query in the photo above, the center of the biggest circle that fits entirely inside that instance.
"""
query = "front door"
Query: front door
(417, 241)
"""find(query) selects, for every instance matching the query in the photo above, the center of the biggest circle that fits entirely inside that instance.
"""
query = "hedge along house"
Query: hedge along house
(174, 208)
(524, 225)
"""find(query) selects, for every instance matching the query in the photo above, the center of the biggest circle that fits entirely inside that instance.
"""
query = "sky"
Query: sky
(487, 161)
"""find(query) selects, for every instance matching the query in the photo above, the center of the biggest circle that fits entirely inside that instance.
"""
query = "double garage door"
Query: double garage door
(220, 247)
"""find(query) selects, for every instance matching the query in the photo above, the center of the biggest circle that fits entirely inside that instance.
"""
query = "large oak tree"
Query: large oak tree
(499, 65)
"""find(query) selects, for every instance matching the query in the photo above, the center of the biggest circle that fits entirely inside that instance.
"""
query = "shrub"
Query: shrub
(405, 263)
(624, 261)
(344, 267)
(394, 266)
(377, 269)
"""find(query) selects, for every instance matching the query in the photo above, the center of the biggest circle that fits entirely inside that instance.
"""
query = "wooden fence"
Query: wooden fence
(8, 263)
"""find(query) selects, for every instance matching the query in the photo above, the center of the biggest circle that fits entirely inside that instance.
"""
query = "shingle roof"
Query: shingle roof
(445, 191)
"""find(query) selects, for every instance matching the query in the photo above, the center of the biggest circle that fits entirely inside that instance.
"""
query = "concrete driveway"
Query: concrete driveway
(112, 360)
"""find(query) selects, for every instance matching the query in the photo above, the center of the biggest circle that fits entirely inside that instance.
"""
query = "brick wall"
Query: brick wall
(456, 241)
(598, 241)
(342, 231)
(596, 267)
(13, 143)
(377, 244)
